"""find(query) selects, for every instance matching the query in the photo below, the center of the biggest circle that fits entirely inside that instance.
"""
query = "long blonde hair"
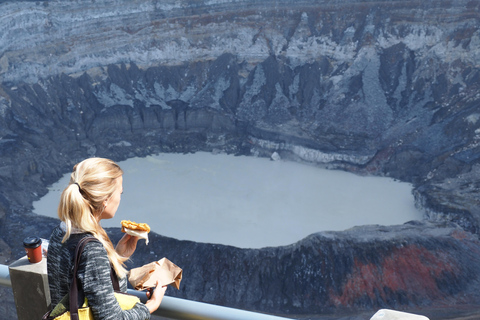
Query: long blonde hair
(92, 182)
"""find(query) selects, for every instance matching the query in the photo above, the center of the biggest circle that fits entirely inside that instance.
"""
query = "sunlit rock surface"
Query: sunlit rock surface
(382, 88)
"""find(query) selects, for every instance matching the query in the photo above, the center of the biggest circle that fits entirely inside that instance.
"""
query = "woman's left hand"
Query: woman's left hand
(127, 245)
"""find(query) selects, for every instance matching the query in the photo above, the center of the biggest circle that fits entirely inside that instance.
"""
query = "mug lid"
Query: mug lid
(31, 242)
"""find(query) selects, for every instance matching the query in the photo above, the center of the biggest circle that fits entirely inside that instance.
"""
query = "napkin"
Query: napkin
(163, 270)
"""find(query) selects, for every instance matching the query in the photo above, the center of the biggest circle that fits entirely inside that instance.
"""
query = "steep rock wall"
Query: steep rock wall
(383, 88)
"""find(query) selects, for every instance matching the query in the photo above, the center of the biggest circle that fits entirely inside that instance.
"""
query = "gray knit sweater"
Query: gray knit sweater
(93, 277)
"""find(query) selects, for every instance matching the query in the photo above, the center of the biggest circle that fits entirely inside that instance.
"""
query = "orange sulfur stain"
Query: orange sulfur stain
(411, 270)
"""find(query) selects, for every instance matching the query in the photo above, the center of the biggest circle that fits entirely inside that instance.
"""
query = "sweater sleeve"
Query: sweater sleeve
(94, 278)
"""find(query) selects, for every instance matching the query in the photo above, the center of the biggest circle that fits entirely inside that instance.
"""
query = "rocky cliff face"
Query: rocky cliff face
(378, 88)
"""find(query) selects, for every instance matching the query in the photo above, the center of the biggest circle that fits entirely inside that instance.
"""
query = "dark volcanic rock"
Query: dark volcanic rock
(363, 268)
(378, 88)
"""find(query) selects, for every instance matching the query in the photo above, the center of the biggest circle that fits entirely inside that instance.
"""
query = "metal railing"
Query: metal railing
(5, 276)
(181, 309)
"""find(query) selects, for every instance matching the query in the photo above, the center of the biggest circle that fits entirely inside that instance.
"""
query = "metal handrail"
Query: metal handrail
(5, 276)
(180, 309)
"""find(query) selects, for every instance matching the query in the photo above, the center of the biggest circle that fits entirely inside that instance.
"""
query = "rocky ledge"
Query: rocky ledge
(386, 88)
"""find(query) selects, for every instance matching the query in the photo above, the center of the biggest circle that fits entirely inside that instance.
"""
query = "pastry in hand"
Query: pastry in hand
(140, 230)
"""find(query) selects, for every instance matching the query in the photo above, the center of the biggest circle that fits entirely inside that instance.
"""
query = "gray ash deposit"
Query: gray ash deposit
(387, 88)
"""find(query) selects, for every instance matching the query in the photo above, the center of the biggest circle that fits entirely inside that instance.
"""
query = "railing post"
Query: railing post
(386, 314)
(30, 288)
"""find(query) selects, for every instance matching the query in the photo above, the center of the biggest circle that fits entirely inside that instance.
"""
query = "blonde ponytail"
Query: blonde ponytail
(92, 182)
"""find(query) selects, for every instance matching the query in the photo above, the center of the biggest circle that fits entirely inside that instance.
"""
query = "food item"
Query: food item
(127, 224)
(140, 230)
(164, 271)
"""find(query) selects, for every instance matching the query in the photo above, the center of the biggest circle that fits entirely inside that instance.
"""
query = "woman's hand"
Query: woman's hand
(127, 245)
(155, 298)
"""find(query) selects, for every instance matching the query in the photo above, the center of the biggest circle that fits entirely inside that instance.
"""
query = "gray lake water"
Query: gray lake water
(247, 202)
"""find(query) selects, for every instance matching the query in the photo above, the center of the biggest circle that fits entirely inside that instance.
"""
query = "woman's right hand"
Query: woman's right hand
(155, 298)
(127, 245)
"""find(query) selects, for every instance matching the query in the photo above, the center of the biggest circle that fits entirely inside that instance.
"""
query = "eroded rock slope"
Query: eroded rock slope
(377, 88)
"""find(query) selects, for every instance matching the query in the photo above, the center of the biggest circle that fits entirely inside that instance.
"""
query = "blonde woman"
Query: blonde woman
(93, 194)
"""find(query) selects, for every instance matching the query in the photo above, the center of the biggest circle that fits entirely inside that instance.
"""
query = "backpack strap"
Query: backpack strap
(75, 293)
(115, 282)
(74, 287)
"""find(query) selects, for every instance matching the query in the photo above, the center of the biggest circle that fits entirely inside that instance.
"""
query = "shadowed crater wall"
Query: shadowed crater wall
(387, 88)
